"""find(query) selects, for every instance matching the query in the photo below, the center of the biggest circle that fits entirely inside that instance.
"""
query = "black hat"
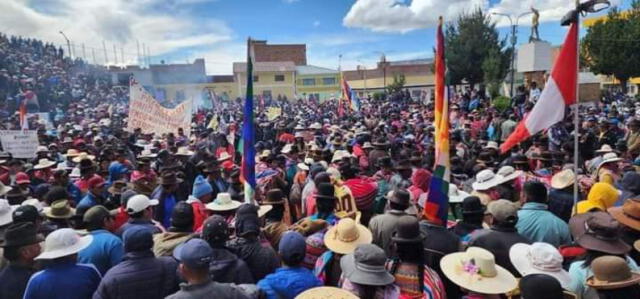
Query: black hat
(21, 234)
(326, 191)
(385, 162)
(401, 197)
(170, 178)
(215, 229)
(247, 220)
(274, 197)
(182, 215)
(26, 213)
(540, 286)
(408, 230)
(471, 205)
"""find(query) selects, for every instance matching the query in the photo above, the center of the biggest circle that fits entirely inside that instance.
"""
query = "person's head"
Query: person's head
(292, 248)
(535, 191)
(61, 177)
(137, 238)
(325, 198)
(215, 231)
(612, 278)
(141, 207)
(534, 286)
(399, 200)
(98, 217)
(503, 213)
(125, 196)
(247, 223)
(21, 243)
(194, 256)
(472, 210)
(182, 217)
(96, 185)
(202, 190)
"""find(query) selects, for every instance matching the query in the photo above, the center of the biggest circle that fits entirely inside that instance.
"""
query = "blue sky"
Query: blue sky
(182, 30)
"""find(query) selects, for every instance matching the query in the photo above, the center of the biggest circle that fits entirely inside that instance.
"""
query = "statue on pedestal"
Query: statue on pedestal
(535, 36)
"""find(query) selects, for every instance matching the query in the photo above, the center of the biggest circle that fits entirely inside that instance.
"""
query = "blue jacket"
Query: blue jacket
(105, 251)
(63, 281)
(88, 201)
(537, 224)
(74, 192)
(139, 275)
(287, 283)
(135, 222)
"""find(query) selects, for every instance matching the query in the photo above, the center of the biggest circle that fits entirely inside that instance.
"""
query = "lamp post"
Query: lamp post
(514, 40)
(68, 43)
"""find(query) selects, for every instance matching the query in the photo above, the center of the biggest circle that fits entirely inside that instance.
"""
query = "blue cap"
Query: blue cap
(195, 253)
(292, 246)
(137, 238)
(201, 187)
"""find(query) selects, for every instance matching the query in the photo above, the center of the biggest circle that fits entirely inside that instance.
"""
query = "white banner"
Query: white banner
(21, 144)
(147, 114)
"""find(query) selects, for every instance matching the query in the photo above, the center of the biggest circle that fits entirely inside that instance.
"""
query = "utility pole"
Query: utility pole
(514, 40)
(106, 58)
(68, 43)
(124, 61)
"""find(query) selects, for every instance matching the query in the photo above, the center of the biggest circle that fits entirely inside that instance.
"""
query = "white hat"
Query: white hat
(138, 203)
(35, 203)
(486, 180)
(508, 173)
(315, 126)
(339, 154)
(4, 189)
(539, 258)
(75, 173)
(223, 202)
(287, 148)
(63, 242)
(303, 166)
(605, 148)
(43, 163)
(476, 270)
(184, 151)
(609, 158)
(42, 148)
(6, 211)
(263, 210)
(456, 195)
(492, 144)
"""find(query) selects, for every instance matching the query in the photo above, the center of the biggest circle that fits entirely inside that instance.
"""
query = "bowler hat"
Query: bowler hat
(408, 230)
(326, 191)
(170, 178)
(472, 205)
(274, 197)
(21, 234)
(401, 197)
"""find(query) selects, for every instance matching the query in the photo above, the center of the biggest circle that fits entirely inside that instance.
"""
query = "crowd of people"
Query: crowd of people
(339, 206)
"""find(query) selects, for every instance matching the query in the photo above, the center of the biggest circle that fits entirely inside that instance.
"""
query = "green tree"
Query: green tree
(470, 41)
(612, 46)
(495, 67)
(397, 85)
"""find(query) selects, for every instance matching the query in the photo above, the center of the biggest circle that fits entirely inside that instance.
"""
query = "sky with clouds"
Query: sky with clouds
(182, 30)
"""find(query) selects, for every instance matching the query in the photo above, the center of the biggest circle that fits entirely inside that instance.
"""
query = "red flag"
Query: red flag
(559, 93)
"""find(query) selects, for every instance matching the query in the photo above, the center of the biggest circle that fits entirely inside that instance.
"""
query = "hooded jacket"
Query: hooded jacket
(226, 267)
(601, 196)
(165, 243)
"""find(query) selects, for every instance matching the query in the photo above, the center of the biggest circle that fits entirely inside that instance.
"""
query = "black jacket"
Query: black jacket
(226, 267)
(499, 240)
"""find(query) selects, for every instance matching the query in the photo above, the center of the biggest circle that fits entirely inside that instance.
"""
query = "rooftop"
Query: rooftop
(313, 70)
(271, 66)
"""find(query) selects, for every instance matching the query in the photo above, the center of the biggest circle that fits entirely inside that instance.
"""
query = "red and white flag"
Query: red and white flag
(558, 94)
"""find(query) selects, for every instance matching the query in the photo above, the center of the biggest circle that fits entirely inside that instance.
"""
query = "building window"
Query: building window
(279, 78)
(329, 81)
(255, 78)
(310, 81)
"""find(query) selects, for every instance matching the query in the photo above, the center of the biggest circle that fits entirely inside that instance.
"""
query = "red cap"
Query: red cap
(22, 178)
(227, 165)
(95, 181)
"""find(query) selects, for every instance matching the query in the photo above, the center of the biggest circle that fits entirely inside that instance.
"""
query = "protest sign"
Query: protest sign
(21, 144)
(147, 114)
(273, 113)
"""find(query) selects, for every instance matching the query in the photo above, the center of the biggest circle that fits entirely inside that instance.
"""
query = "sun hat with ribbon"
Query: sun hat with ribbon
(63, 242)
(540, 258)
(366, 266)
(628, 214)
(611, 272)
(476, 270)
(485, 180)
(598, 231)
(508, 173)
(44, 163)
(223, 202)
(344, 237)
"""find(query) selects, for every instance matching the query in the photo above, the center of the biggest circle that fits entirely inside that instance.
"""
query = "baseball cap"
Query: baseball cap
(126, 195)
(292, 246)
(215, 229)
(95, 181)
(503, 210)
(139, 202)
(137, 238)
(25, 213)
(95, 215)
(195, 253)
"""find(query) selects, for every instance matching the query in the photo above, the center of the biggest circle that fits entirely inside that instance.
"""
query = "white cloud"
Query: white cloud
(397, 16)
(219, 60)
(394, 16)
(117, 22)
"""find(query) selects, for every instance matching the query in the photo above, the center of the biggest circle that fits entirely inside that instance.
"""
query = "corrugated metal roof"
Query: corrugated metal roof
(313, 70)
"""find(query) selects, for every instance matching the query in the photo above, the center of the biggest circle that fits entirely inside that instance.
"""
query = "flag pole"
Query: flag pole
(576, 117)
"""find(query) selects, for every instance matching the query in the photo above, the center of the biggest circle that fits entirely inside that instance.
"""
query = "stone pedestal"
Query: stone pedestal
(534, 60)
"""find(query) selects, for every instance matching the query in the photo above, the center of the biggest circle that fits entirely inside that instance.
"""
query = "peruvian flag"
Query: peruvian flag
(558, 94)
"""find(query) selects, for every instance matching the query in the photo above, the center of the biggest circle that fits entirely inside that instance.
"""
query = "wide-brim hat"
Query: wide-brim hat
(608, 285)
(611, 272)
(605, 148)
(82, 243)
(519, 254)
(83, 156)
(544, 156)
(263, 210)
(170, 179)
(23, 234)
(4, 189)
(344, 237)
(628, 214)
(44, 163)
(486, 180)
(223, 202)
(563, 179)
(452, 266)
(456, 195)
(362, 274)
(597, 231)
(274, 197)
(184, 151)
(508, 173)
(71, 153)
(59, 209)
(326, 293)
(608, 158)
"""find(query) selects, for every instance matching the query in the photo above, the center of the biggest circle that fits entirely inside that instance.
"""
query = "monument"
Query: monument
(534, 58)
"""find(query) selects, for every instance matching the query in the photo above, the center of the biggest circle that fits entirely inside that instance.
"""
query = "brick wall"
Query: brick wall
(264, 52)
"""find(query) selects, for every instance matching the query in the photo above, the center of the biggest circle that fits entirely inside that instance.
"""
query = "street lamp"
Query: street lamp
(514, 39)
(68, 43)
(591, 6)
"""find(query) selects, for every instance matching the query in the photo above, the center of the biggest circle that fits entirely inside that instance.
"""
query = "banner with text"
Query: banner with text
(21, 144)
(147, 114)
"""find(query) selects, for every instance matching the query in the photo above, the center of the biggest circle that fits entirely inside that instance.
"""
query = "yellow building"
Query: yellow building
(270, 79)
(317, 82)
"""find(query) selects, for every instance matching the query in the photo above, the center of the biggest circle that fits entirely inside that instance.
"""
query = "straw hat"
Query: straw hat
(611, 272)
(223, 202)
(184, 151)
(563, 179)
(147, 154)
(605, 148)
(486, 180)
(476, 270)
(44, 163)
(63, 242)
(628, 214)
(326, 293)
(344, 237)
(72, 153)
(367, 145)
(83, 156)
(508, 173)
(263, 210)
(456, 195)
(608, 158)
(539, 258)
(59, 209)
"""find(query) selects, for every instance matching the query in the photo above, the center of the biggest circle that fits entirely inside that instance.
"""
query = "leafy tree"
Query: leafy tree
(495, 67)
(397, 85)
(471, 40)
(612, 47)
